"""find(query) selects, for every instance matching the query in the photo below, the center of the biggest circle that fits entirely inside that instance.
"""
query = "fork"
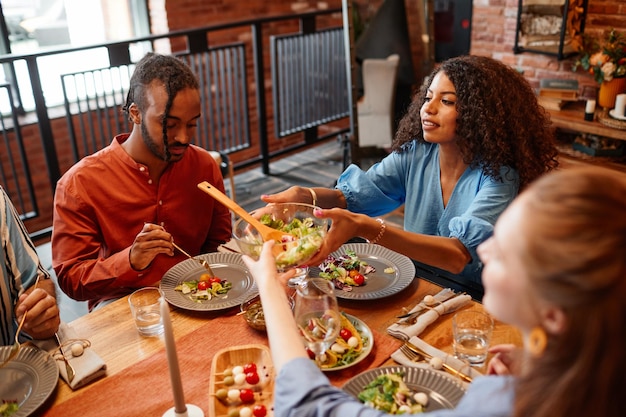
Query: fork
(411, 354)
(415, 352)
(202, 262)
(17, 345)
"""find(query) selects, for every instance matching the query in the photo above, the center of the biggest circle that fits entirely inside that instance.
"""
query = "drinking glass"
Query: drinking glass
(293, 254)
(317, 315)
(145, 306)
(471, 332)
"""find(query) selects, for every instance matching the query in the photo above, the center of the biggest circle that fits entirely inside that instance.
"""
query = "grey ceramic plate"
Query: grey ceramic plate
(28, 379)
(379, 284)
(444, 393)
(367, 348)
(228, 266)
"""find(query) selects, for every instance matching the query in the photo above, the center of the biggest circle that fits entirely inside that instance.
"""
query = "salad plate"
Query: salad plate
(28, 379)
(394, 272)
(368, 343)
(226, 266)
(443, 392)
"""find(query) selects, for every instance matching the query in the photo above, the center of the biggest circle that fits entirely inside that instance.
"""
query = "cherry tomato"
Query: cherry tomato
(246, 395)
(359, 279)
(310, 353)
(203, 285)
(249, 367)
(252, 378)
(345, 334)
(259, 410)
(353, 273)
(214, 280)
(205, 277)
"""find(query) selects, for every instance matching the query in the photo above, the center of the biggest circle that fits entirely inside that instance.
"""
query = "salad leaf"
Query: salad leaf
(8, 408)
(338, 269)
(390, 394)
(308, 239)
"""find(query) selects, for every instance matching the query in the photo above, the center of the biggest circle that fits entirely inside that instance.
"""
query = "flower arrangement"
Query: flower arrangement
(604, 57)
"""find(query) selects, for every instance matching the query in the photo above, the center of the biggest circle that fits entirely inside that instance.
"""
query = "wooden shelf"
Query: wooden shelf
(572, 118)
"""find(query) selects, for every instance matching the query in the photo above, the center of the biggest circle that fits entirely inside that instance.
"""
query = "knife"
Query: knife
(414, 314)
(446, 367)
(68, 368)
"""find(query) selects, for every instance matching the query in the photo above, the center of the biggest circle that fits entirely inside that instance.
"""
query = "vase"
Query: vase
(609, 90)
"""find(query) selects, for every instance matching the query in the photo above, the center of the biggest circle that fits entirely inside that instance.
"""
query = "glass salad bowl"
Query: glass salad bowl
(292, 252)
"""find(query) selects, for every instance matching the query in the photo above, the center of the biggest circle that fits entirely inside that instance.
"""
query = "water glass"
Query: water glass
(146, 309)
(317, 315)
(472, 332)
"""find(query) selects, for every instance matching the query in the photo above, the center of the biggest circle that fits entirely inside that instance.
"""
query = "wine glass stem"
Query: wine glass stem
(300, 275)
(318, 359)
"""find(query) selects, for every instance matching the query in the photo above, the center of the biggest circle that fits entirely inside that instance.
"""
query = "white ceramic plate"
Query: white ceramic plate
(366, 332)
(444, 392)
(379, 284)
(228, 266)
(28, 379)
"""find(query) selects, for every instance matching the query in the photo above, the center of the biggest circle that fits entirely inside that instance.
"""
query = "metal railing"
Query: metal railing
(236, 121)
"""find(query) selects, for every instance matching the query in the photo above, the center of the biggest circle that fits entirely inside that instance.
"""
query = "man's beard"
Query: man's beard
(154, 148)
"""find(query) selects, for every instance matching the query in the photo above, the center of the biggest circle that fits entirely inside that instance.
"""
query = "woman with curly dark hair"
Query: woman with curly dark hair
(473, 136)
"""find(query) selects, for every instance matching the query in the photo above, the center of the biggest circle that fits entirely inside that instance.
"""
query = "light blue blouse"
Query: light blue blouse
(302, 390)
(412, 178)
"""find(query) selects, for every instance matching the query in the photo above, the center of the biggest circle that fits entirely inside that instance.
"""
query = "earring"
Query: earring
(537, 341)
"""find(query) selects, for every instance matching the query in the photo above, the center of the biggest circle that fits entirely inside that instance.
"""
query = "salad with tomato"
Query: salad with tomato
(346, 271)
(389, 393)
(306, 241)
(348, 346)
(205, 288)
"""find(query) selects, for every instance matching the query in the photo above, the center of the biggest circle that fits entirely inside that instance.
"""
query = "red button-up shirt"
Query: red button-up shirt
(102, 203)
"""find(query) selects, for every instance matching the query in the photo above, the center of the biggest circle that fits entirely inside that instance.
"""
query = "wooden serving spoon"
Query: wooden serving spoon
(266, 232)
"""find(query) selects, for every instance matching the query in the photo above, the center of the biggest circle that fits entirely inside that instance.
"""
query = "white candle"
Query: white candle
(620, 105)
(172, 360)
(591, 106)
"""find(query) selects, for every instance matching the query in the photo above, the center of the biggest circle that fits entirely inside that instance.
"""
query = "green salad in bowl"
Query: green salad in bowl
(306, 233)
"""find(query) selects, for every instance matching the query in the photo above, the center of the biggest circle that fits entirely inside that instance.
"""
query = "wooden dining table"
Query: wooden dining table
(137, 380)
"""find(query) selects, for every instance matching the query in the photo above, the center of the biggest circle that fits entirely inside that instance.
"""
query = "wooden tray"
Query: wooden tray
(607, 120)
(239, 356)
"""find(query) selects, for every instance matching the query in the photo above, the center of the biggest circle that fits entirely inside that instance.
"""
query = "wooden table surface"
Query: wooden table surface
(114, 338)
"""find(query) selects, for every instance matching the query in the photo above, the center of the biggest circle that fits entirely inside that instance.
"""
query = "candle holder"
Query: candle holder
(180, 409)
(192, 411)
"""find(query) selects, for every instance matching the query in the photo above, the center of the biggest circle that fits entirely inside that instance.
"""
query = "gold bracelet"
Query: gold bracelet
(383, 227)
(313, 196)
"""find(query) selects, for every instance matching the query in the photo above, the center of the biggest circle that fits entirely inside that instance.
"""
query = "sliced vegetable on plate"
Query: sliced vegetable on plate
(353, 344)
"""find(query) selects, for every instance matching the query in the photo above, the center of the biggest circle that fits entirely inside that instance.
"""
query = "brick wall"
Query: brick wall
(493, 34)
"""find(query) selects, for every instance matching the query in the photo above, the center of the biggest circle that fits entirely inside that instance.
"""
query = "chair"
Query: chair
(226, 166)
(376, 108)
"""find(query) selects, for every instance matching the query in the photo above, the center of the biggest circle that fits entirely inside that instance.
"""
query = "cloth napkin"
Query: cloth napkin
(453, 362)
(88, 367)
(404, 332)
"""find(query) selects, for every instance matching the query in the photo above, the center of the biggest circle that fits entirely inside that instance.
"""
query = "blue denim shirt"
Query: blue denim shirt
(302, 390)
(412, 178)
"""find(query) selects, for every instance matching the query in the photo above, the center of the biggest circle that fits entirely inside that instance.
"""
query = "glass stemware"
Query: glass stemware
(295, 218)
(317, 314)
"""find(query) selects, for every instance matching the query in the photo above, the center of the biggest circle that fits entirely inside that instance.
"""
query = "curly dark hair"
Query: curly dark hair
(500, 122)
(171, 71)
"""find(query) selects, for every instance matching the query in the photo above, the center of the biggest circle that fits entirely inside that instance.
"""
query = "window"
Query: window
(38, 25)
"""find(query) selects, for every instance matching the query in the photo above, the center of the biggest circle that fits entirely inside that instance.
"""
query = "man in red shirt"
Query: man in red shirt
(116, 212)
